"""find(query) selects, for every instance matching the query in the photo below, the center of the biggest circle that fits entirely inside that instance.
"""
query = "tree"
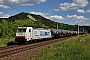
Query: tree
(4, 28)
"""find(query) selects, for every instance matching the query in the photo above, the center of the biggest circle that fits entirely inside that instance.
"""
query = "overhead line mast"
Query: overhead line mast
(57, 25)
(78, 29)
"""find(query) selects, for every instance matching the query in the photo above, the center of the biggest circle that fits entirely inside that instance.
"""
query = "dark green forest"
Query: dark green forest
(8, 26)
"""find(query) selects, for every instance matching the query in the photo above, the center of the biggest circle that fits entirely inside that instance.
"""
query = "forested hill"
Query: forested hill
(9, 25)
(41, 21)
(20, 16)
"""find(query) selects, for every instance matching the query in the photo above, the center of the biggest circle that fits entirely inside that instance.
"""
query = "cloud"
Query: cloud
(2, 15)
(77, 18)
(74, 5)
(2, 4)
(56, 9)
(87, 25)
(56, 17)
(20, 2)
(80, 11)
(88, 10)
(40, 13)
(25, 2)
(1, 12)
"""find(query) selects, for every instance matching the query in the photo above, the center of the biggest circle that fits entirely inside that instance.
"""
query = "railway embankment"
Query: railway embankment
(68, 48)
(21, 52)
(77, 48)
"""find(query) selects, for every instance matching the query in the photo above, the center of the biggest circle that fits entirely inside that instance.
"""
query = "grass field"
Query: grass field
(5, 41)
(77, 48)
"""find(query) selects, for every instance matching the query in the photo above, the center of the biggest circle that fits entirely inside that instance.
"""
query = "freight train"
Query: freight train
(26, 34)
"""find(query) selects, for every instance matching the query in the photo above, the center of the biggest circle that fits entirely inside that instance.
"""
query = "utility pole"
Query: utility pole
(57, 25)
(78, 29)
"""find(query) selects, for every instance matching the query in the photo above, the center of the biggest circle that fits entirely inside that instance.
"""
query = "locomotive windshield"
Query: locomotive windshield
(21, 30)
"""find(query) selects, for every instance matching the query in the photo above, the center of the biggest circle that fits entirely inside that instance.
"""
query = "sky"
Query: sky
(63, 11)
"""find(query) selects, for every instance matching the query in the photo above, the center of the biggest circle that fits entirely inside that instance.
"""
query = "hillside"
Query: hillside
(40, 21)
(8, 26)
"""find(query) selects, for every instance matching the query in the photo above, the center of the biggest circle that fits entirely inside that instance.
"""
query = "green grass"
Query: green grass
(4, 41)
(77, 48)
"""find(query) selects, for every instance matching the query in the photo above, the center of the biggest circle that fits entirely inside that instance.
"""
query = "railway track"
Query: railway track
(5, 52)
(7, 47)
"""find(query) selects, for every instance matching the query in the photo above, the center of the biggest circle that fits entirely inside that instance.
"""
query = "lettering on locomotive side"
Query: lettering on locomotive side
(43, 33)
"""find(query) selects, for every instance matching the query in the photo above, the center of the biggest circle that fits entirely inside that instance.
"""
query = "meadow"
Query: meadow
(6, 41)
(77, 48)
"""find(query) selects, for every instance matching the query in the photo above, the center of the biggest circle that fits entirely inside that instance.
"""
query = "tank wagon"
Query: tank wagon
(25, 34)
(62, 33)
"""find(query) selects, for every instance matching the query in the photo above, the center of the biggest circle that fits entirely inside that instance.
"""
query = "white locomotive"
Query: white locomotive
(25, 34)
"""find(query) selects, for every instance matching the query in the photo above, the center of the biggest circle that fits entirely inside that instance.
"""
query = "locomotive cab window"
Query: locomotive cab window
(22, 30)
(29, 30)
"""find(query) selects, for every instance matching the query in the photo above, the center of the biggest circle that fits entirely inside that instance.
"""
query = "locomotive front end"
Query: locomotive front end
(20, 35)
